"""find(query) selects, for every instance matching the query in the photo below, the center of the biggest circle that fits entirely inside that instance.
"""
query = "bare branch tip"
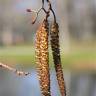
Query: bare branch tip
(20, 73)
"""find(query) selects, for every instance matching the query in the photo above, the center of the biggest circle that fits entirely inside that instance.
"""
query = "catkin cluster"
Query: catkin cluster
(42, 58)
(42, 54)
(54, 33)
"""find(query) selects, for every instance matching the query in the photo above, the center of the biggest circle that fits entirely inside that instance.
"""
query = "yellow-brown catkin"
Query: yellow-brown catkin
(42, 58)
(54, 33)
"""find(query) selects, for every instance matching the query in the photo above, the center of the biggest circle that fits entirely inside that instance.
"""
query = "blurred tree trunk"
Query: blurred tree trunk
(64, 32)
(5, 16)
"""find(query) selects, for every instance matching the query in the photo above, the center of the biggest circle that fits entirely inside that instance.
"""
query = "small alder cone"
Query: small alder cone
(54, 33)
(42, 58)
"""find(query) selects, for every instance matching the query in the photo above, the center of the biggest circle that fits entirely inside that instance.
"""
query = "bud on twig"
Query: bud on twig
(20, 73)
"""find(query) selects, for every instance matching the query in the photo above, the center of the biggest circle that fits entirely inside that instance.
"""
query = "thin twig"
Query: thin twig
(47, 12)
(42, 3)
(51, 9)
(20, 73)
(36, 12)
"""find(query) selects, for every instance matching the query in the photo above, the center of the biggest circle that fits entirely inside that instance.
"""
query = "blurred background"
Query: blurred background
(77, 24)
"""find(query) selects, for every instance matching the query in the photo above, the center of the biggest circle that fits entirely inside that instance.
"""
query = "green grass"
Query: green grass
(18, 55)
(79, 57)
(26, 55)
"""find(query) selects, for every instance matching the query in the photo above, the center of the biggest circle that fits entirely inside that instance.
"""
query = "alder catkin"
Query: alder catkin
(54, 33)
(42, 58)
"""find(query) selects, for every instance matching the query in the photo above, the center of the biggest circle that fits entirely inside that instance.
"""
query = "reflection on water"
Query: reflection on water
(12, 85)
(30, 85)
(78, 84)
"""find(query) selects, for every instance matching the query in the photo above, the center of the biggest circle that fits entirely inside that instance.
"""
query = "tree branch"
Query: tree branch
(20, 73)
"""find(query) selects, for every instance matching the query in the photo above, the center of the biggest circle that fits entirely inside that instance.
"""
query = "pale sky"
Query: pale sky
(22, 5)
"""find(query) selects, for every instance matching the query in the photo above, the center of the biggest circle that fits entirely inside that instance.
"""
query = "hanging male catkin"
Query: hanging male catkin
(54, 33)
(42, 58)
